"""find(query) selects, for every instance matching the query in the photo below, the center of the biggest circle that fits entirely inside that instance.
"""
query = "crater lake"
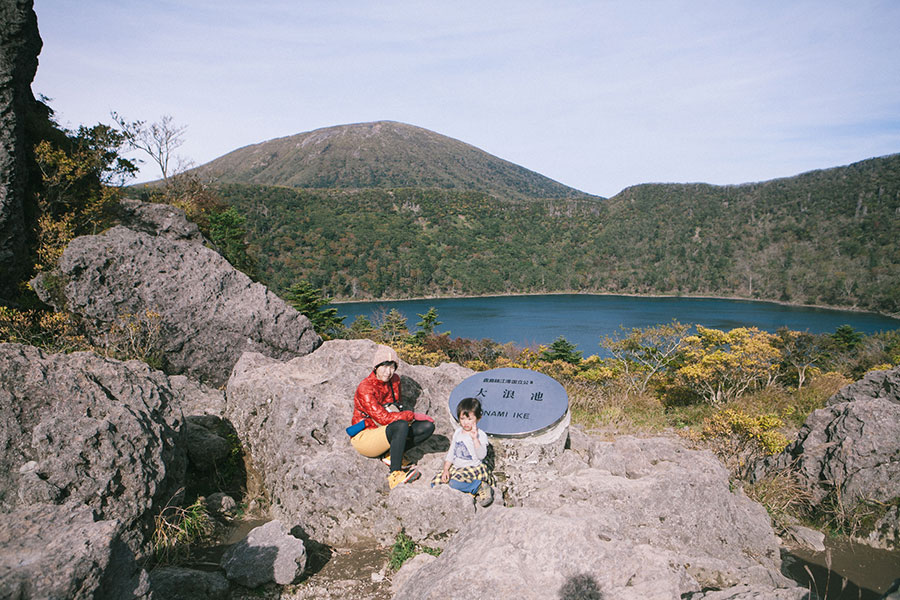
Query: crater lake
(584, 319)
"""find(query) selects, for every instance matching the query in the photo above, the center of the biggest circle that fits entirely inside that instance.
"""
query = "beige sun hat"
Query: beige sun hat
(385, 354)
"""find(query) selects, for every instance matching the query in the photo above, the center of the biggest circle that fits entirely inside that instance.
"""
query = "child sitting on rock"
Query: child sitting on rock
(463, 466)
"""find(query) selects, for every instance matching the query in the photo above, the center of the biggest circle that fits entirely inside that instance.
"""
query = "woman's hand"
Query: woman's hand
(422, 417)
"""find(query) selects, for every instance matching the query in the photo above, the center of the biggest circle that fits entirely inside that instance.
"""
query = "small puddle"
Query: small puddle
(847, 570)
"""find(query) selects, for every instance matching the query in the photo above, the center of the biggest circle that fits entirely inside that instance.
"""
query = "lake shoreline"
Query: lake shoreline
(628, 295)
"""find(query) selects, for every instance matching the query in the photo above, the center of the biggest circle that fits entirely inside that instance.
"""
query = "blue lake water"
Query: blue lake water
(584, 319)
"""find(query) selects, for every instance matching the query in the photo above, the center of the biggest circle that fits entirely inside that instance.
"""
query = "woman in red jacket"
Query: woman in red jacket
(387, 427)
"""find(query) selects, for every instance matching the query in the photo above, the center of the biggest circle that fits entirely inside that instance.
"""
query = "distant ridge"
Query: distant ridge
(381, 154)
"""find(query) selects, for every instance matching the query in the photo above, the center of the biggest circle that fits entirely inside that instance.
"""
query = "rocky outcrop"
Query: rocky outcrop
(883, 385)
(92, 448)
(847, 455)
(157, 219)
(634, 518)
(291, 418)
(86, 430)
(20, 45)
(209, 312)
(51, 551)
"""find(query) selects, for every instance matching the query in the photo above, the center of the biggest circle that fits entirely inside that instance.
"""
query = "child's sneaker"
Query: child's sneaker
(397, 477)
(485, 495)
(405, 464)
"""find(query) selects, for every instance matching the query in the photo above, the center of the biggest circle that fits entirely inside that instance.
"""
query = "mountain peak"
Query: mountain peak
(380, 154)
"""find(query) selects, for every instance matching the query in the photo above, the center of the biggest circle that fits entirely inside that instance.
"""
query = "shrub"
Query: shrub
(415, 354)
(136, 336)
(50, 331)
(739, 439)
(720, 366)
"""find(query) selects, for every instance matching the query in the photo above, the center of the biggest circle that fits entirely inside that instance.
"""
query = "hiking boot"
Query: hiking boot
(485, 495)
(405, 464)
(397, 477)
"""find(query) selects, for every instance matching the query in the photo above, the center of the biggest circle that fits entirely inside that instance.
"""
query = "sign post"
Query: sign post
(515, 402)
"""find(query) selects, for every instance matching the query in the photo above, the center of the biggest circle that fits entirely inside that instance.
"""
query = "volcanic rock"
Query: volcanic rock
(208, 312)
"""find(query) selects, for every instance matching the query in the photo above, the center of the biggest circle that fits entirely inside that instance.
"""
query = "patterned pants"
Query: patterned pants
(466, 479)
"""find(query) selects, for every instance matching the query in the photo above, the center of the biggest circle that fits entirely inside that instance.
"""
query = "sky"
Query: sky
(598, 95)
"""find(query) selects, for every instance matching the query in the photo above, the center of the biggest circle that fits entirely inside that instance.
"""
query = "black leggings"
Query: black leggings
(403, 436)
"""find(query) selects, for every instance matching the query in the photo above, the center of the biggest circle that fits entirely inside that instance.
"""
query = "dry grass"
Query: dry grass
(783, 496)
(177, 528)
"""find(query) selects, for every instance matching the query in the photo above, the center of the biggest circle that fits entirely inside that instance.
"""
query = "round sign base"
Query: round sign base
(535, 449)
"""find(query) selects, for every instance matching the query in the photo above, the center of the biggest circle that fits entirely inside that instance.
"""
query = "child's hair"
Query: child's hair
(468, 405)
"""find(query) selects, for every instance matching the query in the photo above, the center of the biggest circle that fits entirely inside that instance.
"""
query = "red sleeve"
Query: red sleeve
(370, 401)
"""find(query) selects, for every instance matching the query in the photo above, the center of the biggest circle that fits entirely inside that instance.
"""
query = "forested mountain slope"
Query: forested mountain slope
(383, 154)
(824, 237)
(829, 237)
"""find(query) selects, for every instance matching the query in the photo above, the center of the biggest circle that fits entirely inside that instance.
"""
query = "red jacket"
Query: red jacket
(371, 396)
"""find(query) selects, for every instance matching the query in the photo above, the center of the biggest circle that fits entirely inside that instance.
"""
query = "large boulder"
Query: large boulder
(209, 312)
(291, 418)
(20, 45)
(529, 553)
(78, 428)
(875, 385)
(848, 455)
(657, 493)
(93, 448)
(51, 551)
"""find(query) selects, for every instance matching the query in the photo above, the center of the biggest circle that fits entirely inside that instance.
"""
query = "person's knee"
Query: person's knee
(428, 428)
(397, 427)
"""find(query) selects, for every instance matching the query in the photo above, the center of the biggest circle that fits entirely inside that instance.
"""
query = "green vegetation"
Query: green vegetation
(405, 548)
(310, 302)
(563, 350)
(177, 529)
(828, 237)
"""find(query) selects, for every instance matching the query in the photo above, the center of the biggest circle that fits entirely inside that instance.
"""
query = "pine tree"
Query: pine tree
(563, 350)
(310, 302)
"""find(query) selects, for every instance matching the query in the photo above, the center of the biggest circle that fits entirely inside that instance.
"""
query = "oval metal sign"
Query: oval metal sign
(514, 402)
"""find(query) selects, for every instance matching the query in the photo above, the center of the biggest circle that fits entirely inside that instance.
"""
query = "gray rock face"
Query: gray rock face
(205, 447)
(529, 553)
(60, 552)
(158, 220)
(849, 450)
(291, 418)
(92, 448)
(20, 45)
(82, 429)
(749, 592)
(169, 583)
(876, 385)
(210, 313)
(654, 492)
(268, 554)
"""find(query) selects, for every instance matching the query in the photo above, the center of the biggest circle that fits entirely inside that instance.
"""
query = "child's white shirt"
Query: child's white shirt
(463, 452)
